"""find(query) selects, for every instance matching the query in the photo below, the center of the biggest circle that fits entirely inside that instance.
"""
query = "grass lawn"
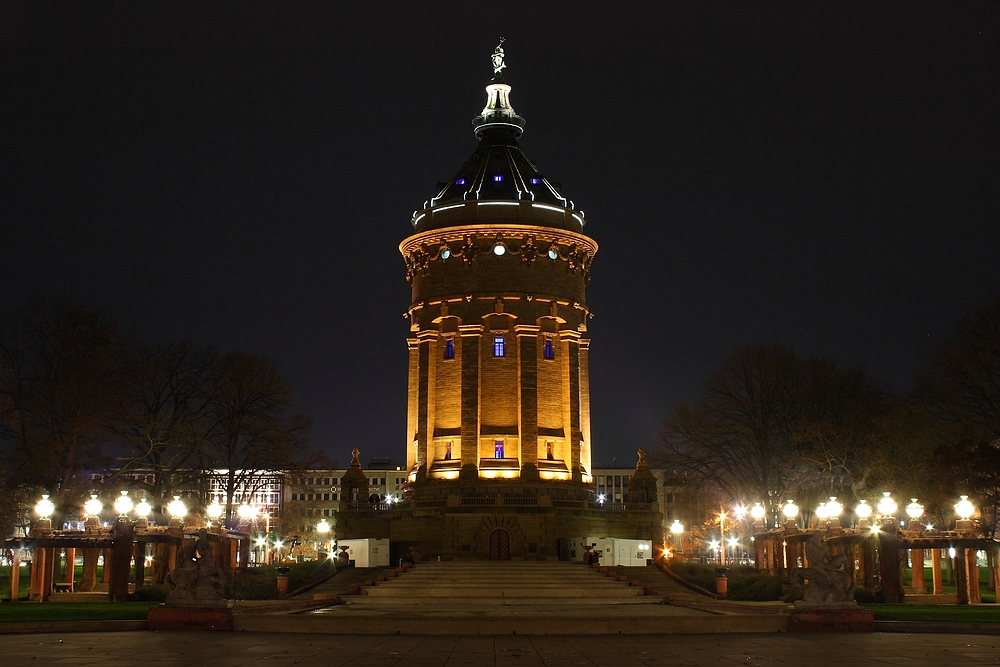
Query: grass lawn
(918, 612)
(75, 611)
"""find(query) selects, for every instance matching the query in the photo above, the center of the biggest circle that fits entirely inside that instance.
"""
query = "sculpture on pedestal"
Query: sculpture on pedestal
(830, 576)
(196, 580)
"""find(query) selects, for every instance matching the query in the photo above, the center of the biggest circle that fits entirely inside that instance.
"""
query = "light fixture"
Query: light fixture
(246, 512)
(758, 511)
(601, 498)
(143, 509)
(93, 506)
(863, 511)
(214, 511)
(677, 527)
(822, 512)
(123, 504)
(740, 512)
(834, 508)
(177, 508)
(914, 510)
(499, 249)
(733, 541)
(790, 510)
(886, 505)
(44, 507)
(963, 508)
(323, 527)
(553, 253)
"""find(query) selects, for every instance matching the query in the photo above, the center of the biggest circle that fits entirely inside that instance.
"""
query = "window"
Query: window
(309, 481)
(449, 348)
(326, 496)
(335, 480)
(498, 449)
(550, 352)
(447, 457)
(549, 451)
(460, 181)
(326, 481)
(498, 179)
(326, 512)
(498, 346)
(295, 496)
(382, 482)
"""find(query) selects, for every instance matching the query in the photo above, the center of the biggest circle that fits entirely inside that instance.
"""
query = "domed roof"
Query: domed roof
(498, 170)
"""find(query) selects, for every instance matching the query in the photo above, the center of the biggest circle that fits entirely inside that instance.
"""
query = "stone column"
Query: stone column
(36, 578)
(917, 568)
(106, 571)
(121, 560)
(89, 580)
(936, 571)
(973, 567)
(961, 576)
(888, 556)
(139, 558)
(527, 350)
(15, 575)
(70, 575)
(471, 340)
(49, 573)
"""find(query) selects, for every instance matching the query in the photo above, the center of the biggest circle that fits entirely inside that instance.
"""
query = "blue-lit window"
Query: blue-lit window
(498, 178)
(549, 350)
(498, 449)
(536, 181)
(498, 346)
(449, 349)
(460, 181)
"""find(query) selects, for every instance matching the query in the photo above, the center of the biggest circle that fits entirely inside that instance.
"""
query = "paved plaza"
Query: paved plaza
(225, 649)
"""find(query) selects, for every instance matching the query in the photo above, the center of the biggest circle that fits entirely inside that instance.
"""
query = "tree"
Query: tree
(61, 392)
(247, 428)
(169, 387)
(958, 398)
(769, 424)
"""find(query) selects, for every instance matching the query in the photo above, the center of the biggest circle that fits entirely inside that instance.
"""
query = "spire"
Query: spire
(498, 114)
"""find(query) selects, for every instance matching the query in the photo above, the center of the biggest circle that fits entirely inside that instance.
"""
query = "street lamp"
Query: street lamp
(963, 508)
(863, 511)
(177, 510)
(821, 513)
(677, 536)
(758, 512)
(44, 507)
(887, 506)
(142, 511)
(123, 505)
(214, 511)
(323, 528)
(914, 510)
(790, 510)
(834, 508)
(93, 506)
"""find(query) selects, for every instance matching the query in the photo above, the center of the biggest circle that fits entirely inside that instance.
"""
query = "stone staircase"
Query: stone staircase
(500, 583)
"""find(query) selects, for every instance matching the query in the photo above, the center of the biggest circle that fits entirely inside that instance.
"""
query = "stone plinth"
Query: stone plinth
(831, 617)
(191, 617)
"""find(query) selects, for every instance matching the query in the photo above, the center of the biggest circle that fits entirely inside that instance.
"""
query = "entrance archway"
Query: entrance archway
(499, 545)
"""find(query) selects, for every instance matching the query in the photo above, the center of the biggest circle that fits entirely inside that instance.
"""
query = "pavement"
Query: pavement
(231, 649)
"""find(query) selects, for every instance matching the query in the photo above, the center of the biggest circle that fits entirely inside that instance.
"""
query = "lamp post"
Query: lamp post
(834, 509)
(722, 538)
(887, 507)
(914, 510)
(177, 510)
(44, 509)
(93, 508)
(758, 512)
(323, 528)
(790, 510)
(963, 508)
(142, 511)
(677, 536)
(863, 511)
(123, 505)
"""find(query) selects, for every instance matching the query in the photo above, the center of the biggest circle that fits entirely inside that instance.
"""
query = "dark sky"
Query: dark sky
(823, 175)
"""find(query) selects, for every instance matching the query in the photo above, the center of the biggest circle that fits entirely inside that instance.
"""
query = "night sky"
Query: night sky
(822, 175)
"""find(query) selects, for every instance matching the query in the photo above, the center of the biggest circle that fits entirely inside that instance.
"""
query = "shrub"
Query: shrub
(747, 584)
(152, 593)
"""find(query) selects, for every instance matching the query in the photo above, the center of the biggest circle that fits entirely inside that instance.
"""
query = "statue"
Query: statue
(831, 578)
(498, 56)
(642, 457)
(196, 580)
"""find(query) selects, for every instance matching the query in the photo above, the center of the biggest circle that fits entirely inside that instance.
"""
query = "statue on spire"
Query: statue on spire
(498, 56)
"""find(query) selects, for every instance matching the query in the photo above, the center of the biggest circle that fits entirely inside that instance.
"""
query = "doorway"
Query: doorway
(499, 545)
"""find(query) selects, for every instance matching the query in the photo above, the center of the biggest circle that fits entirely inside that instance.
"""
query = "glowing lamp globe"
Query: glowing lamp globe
(143, 509)
(822, 512)
(914, 510)
(246, 512)
(863, 510)
(123, 504)
(790, 510)
(740, 512)
(676, 527)
(177, 508)
(887, 506)
(93, 506)
(214, 511)
(834, 508)
(963, 508)
(758, 511)
(44, 507)
(323, 527)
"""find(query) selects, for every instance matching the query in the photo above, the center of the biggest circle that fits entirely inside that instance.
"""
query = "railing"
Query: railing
(622, 507)
(499, 500)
